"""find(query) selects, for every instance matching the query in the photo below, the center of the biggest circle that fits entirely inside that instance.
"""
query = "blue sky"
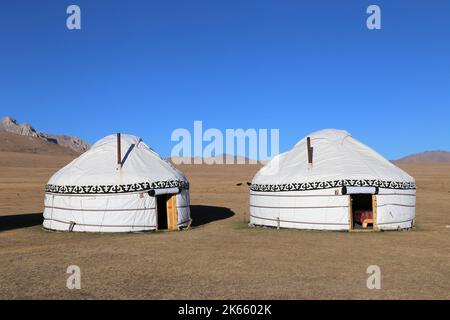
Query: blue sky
(149, 67)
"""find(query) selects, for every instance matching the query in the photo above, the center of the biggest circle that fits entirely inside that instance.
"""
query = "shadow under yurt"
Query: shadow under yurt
(107, 190)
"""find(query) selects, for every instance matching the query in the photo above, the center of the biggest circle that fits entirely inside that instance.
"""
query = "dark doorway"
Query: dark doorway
(362, 211)
(161, 209)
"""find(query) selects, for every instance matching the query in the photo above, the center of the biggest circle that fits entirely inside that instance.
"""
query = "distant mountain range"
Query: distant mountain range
(10, 125)
(423, 157)
(17, 137)
(438, 156)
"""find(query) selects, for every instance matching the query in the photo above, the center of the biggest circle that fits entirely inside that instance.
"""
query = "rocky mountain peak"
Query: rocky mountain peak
(11, 125)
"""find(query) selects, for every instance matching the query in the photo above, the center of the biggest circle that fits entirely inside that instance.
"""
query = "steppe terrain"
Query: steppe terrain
(219, 257)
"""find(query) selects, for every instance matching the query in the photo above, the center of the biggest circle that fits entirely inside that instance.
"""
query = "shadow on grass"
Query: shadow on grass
(20, 221)
(205, 214)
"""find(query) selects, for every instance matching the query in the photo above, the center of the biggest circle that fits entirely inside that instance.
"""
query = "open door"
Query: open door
(166, 207)
(362, 208)
(362, 215)
(172, 213)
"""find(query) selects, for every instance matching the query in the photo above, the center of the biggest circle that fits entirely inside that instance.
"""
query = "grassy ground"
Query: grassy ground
(220, 257)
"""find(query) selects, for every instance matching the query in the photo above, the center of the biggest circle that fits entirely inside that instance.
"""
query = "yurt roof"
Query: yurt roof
(96, 170)
(337, 157)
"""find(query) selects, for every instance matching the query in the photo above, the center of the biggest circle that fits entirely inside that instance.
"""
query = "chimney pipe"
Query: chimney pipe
(119, 152)
(308, 145)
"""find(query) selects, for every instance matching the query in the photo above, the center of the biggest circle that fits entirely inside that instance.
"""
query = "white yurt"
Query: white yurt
(118, 185)
(331, 181)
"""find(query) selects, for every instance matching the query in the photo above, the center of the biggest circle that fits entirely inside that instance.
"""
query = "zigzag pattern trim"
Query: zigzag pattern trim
(305, 186)
(122, 188)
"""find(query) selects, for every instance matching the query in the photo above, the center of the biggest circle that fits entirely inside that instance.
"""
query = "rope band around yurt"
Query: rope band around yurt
(306, 186)
(115, 189)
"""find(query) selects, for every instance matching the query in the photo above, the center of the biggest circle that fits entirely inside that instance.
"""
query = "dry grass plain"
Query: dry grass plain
(220, 257)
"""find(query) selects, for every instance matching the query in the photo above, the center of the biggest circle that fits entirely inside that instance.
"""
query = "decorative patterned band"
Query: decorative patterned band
(305, 186)
(122, 188)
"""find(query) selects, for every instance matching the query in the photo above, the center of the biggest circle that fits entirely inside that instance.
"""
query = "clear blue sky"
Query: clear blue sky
(149, 67)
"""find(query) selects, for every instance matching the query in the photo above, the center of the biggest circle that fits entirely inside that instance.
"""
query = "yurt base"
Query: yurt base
(184, 228)
(99, 232)
(371, 230)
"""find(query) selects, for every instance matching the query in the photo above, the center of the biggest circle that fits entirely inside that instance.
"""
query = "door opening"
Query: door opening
(166, 207)
(172, 212)
(361, 211)
(161, 208)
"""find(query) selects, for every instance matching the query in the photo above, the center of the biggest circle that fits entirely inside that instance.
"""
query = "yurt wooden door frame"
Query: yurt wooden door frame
(374, 216)
(166, 212)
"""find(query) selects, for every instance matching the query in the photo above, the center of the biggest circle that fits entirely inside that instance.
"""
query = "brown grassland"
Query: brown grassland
(219, 257)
